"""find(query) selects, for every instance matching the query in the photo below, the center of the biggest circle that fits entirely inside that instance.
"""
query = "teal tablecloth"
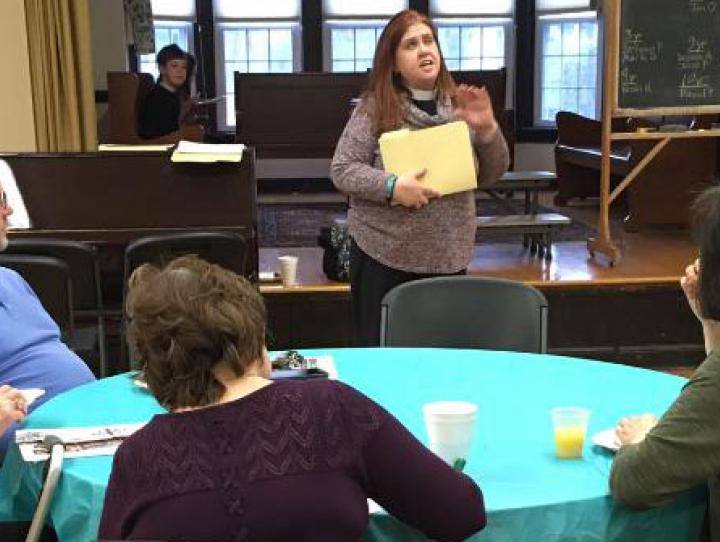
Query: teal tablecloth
(530, 495)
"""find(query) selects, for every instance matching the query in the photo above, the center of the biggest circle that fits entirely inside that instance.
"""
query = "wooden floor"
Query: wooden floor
(633, 312)
(651, 257)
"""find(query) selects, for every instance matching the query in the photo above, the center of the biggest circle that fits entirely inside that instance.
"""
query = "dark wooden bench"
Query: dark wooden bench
(537, 229)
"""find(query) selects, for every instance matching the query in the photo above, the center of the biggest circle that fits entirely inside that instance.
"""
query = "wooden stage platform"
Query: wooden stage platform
(632, 313)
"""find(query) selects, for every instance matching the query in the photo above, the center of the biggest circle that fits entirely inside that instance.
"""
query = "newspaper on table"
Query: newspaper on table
(77, 441)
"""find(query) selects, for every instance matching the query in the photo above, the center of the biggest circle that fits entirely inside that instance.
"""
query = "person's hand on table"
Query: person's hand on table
(473, 105)
(411, 192)
(689, 285)
(632, 429)
(12, 407)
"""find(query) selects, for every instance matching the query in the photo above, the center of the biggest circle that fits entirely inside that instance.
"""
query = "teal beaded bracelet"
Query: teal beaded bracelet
(390, 187)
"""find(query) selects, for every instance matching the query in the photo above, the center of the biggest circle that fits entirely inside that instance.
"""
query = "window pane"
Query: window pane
(492, 63)
(588, 72)
(258, 66)
(364, 43)
(550, 104)
(251, 9)
(470, 64)
(471, 46)
(173, 8)
(470, 43)
(587, 102)
(343, 43)
(552, 71)
(571, 38)
(343, 66)
(335, 8)
(353, 44)
(258, 44)
(570, 71)
(281, 66)
(569, 99)
(452, 64)
(363, 65)
(493, 42)
(281, 44)
(471, 7)
(552, 39)
(449, 38)
(589, 38)
(235, 45)
(569, 66)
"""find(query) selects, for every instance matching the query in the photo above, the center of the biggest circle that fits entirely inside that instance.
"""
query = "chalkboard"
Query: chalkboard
(669, 55)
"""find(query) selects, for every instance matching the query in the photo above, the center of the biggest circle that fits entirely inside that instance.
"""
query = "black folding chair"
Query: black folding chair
(226, 249)
(465, 312)
(88, 341)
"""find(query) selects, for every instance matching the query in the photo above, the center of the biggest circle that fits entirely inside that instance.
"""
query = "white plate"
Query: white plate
(30, 394)
(606, 439)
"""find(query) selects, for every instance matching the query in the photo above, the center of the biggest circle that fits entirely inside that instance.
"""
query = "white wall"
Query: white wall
(108, 39)
(16, 108)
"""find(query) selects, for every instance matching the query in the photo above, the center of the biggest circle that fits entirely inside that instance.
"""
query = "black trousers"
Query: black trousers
(369, 282)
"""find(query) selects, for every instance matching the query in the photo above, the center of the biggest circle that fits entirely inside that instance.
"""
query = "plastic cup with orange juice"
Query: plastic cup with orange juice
(570, 426)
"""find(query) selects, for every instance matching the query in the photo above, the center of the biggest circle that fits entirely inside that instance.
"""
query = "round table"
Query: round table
(529, 494)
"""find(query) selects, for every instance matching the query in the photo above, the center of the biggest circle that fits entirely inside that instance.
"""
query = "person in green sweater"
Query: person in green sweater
(660, 458)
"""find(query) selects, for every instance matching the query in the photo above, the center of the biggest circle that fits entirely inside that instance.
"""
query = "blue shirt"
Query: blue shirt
(31, 352)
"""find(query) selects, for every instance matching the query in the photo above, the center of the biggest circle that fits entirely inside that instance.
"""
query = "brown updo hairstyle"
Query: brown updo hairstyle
(385, 87)
(184, 320)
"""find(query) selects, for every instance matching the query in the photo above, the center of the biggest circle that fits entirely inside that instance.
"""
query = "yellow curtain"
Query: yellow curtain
(59, 44)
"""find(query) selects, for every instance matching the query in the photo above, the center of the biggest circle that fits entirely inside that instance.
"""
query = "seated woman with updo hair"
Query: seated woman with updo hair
(241, 457)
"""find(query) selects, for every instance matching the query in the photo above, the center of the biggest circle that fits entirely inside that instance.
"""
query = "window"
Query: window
(172, 20)
(567, 61)
(252, 37)
(475, 35)
(473, 45)
(351, 30)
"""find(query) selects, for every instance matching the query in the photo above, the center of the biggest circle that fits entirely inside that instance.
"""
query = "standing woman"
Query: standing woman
(402, 230)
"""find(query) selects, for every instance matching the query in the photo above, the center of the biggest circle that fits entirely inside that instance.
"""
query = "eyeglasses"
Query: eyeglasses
(4, 201)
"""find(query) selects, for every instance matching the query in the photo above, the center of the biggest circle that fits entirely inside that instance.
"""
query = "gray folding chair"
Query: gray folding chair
(465, 312)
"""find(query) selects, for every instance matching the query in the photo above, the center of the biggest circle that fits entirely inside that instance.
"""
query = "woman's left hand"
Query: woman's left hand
(632, 430)
(472, 104)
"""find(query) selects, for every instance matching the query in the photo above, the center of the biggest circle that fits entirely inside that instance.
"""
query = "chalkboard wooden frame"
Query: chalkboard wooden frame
(602, 243)
(614, 35)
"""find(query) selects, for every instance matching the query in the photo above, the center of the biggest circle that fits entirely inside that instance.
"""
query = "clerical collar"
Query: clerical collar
(422, 95)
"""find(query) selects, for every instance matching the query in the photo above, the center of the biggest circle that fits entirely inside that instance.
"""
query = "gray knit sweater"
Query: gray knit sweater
(438, 238)
(680, 452)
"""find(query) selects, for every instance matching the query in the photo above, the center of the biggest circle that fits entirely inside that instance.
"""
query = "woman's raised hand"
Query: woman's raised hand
(472, 104)
(411, 192)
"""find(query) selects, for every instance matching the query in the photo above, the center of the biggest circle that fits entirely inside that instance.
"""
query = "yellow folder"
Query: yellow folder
(445, 151)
